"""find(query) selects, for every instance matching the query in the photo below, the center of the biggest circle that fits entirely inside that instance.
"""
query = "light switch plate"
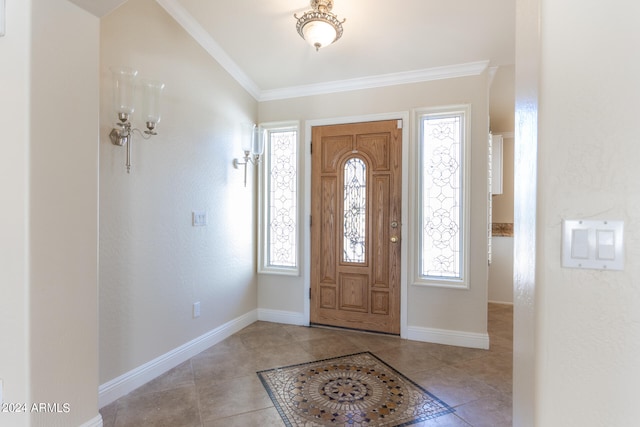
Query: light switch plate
(593, 244)
(199, 218)
(196, 309)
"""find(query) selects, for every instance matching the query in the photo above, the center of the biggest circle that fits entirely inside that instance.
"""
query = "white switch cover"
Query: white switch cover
(580, 243)
(593, 244)
(606, 243)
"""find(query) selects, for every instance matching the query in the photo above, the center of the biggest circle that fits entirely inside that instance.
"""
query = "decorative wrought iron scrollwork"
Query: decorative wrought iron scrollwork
(355, 211)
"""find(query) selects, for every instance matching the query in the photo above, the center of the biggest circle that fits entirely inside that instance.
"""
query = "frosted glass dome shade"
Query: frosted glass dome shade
(319, 33)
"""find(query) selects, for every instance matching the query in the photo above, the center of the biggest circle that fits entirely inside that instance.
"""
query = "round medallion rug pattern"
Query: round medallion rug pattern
(354, 390)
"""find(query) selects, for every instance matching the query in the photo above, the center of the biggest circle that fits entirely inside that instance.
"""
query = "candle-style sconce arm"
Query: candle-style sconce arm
(246, 160)
(123, 135)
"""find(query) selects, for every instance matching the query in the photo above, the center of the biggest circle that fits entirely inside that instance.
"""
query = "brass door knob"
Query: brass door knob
(394, 239)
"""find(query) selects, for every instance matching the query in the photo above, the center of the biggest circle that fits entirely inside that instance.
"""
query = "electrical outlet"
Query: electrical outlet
(196, 309)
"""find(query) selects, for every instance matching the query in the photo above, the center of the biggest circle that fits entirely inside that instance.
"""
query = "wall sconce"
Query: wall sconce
(124, 84)
(253, 153)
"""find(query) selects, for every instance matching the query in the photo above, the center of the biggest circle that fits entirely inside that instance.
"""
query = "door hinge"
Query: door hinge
(311, 147)
(400, 124)
(309, 293)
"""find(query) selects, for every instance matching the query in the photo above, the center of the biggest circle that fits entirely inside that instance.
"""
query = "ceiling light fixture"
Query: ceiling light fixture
(319, 27)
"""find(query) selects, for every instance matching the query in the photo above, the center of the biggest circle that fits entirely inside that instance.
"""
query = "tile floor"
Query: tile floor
(219, 387)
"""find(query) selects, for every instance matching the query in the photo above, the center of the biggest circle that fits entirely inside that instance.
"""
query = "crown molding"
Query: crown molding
(202, 37)
(382, 80)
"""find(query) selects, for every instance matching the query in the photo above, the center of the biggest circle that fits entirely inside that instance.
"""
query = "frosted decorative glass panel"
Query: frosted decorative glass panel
(355, 211)
(441, 222)
(282, 198)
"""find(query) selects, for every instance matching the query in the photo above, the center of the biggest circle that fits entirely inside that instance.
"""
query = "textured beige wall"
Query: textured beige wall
(153, 263)
(50, 353)
(577, 332)
(64, 211)
(429, 307)
(588, 321)
(14, 181)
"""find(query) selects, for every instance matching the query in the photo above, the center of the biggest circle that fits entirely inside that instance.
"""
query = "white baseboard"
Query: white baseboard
(279, 316)
(95, 422)
(448, 337)
(126, 383)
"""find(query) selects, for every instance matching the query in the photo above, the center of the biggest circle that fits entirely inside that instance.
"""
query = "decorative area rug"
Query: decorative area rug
(354, 390)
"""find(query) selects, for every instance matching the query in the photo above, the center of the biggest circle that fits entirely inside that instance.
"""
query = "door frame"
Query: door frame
(406, 166)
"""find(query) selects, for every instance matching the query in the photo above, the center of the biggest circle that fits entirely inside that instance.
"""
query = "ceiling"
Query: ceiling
(384, 41)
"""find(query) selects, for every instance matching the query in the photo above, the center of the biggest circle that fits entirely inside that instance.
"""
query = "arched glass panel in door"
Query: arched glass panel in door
(355, 211)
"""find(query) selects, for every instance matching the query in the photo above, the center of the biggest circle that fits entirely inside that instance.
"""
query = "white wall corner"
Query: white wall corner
(449, 337)
(279, 316)
(126, 383)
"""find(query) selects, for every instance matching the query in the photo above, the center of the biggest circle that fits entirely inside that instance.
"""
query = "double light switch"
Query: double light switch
(593, 244)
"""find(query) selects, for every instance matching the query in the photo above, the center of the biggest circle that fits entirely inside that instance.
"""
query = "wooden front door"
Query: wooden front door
(355, 232)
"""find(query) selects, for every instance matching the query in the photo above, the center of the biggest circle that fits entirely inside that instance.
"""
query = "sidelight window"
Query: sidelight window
(279, 204)
(442, 193)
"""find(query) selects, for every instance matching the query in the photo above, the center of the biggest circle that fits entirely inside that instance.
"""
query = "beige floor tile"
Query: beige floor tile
(408, 360)
(325, 348)
(176, 407)
(454, 386)
(180, 376)
(374, 342)
(489, 412)
(262, 418)
(220, 399)
(299, 333)
(223, 366)
(494, 370)
(108, 414)
(266, 339)
(281, 356)
(219, 387)
(449, 420)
